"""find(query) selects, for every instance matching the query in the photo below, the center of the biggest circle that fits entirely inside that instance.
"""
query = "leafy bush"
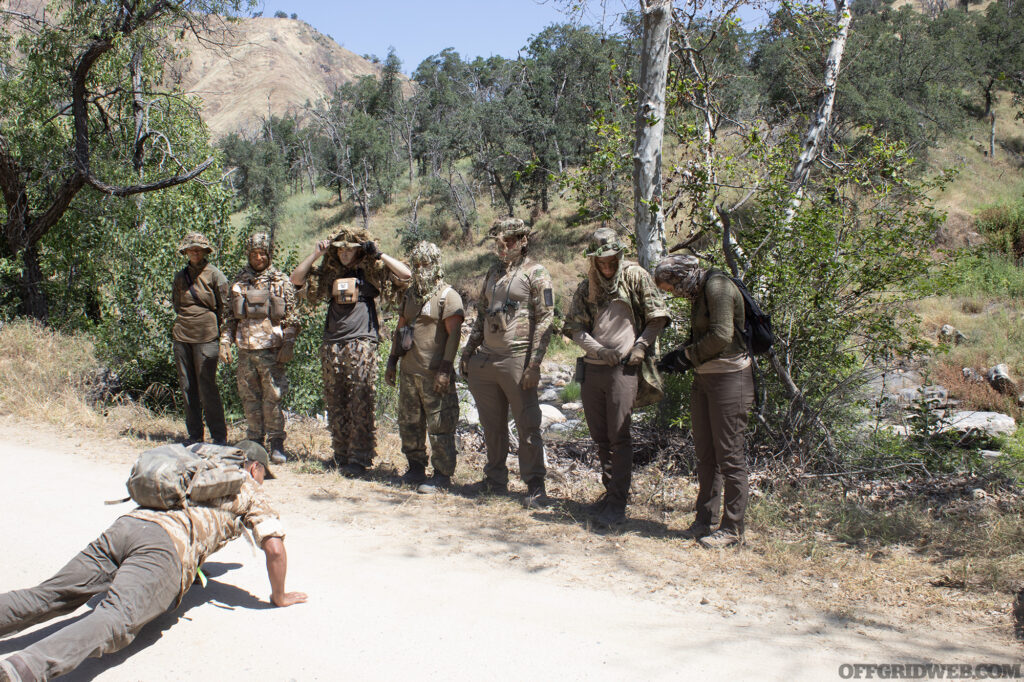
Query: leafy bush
(1004, 227)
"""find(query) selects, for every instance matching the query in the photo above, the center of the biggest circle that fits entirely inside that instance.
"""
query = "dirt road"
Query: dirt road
(405, 587)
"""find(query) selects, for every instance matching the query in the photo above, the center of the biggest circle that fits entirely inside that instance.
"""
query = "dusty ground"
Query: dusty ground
(402, 586)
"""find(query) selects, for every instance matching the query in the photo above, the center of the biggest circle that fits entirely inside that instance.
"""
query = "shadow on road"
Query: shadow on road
(221, 595)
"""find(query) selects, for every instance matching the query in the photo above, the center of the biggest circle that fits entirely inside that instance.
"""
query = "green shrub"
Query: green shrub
(1004, 227)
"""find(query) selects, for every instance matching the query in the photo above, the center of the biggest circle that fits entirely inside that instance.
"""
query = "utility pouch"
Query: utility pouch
(276, 309)
(257, 304)
(345, 290)
(581, 371)
(405, 335)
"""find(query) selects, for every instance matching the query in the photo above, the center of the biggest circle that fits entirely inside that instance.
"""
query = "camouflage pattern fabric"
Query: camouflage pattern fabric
(515, 310)
(509, 227)
(682, 273)
(422, 412)
(350, 377)
(262, 385)
(199, 531)
(261, 334)
(258, 241)
(635, 287)
(195, 239)
(321, 278)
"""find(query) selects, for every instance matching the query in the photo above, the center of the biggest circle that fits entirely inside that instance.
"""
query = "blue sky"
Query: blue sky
(420, 28)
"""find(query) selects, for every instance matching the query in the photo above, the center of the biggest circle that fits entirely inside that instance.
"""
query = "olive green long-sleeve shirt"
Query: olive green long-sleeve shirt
(199, 315)
(716, 320)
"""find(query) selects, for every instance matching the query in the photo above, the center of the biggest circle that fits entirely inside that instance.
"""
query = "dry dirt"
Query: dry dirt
(405, 586)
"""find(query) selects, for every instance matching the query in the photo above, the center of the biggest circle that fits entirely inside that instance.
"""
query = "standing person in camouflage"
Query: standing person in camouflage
(199, 296)
(615, 317)
(263, 324)
(353, 274)
(502, 358)
(425, 343)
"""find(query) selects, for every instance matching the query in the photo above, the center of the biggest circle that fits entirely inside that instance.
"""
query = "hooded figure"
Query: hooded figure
(263, 324)
(720, 398)
(615, 317)
(502, 358)
(424, 345)
(199, 295)
(353, 276)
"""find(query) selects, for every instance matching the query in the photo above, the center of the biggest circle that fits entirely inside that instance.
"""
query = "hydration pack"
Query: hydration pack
(175, 476)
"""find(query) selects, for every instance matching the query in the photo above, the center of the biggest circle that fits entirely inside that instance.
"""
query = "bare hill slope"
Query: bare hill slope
(265, 66)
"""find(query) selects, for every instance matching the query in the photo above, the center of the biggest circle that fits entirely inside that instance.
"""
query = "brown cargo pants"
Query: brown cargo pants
(134, 562)
(719, 404)
(608, 395)
(197, 375)
(494, 382)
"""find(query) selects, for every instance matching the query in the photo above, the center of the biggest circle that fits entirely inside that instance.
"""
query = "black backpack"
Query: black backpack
(757, 327)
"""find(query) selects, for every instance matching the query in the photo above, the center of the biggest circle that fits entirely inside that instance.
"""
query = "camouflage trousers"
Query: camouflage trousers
(350, 391)
(422, 412)
(262, 384)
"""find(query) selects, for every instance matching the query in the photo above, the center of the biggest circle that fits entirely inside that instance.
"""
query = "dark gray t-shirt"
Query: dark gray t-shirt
(357, 320)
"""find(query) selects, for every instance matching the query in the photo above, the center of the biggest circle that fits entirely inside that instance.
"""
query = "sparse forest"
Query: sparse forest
(817, 156)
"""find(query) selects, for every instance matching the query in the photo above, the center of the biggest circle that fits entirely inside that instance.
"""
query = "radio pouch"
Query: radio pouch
(257, 304)
(345, 290)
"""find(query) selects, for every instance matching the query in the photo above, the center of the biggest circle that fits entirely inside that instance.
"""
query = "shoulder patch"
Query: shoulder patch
(549, 297)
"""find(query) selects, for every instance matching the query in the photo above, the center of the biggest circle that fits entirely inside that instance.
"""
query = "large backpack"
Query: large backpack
(174, 476)
(757, 324)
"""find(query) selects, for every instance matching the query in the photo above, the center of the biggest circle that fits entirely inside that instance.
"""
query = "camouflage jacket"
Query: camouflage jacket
(637, 289)
(261, 334)
(199, 531)
(515, 310)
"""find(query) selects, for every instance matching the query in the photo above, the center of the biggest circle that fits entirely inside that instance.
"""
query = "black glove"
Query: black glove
(371, 251)
(675, 362)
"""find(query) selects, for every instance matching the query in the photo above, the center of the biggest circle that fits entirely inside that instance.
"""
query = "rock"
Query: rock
(892, 382)
(998, 377)
(548, 396)
(978, 494)
(990, 454)
(549, 414)
(559, 428)
(935, 395)
(559, 382)
(989, 423)
(572, 407)
(972, 375)
(950, 334)
(471, 417)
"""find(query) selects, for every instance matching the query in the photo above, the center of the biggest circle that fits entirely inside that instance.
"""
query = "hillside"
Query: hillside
(264, 66)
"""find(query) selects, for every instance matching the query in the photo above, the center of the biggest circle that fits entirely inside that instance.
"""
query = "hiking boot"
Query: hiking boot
(721, 539)
(488, 487)
(352, 470)
(696, 531)
(435, 483)
(536, 496)
(612, 515)
(597, 506)
(277, 453)
(416, 474)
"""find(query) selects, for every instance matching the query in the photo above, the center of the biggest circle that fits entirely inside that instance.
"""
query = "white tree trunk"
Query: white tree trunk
(650, 131)
(812, 139)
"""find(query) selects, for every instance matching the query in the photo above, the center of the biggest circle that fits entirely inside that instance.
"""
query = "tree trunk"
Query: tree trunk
(992, 135)
(812, 139)
(35, 302)
(650, 130)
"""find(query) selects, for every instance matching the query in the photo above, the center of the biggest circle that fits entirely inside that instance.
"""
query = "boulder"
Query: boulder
(572, 407)
(549, 396)
(998, 377)
(549, 414)
(952, 335)
(471, 417)
(972, 375)
(989, 423)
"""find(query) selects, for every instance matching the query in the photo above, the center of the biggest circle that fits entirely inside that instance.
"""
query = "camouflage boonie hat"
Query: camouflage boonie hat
(509, 227)
(258, 240)
(425, 253)
(604, 242)
(350, 238)
(194, 239)
(257, 453)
